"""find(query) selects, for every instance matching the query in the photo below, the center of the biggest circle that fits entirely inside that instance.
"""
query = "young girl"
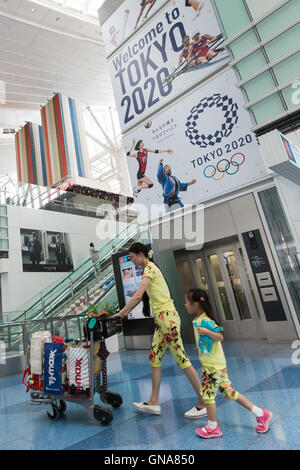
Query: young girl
(142, 157)
(214, 371)
(167, 329)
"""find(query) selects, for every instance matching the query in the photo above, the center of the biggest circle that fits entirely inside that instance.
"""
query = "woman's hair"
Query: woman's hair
(138, 248)
(200, 296)
(91, 245)
(137, 147)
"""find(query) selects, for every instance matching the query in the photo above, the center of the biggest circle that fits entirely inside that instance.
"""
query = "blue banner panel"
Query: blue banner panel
(53, 366)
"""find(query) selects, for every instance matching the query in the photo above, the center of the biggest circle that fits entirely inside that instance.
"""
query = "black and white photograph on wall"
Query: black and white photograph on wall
(44, 251)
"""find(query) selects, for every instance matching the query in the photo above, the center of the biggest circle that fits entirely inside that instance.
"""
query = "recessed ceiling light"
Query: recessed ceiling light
(33, 10)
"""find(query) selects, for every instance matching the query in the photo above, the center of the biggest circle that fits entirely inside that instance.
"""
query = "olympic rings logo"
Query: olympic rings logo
(231, 117)
(224, 169)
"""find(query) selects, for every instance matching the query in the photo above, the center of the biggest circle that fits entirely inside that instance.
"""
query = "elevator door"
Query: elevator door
(223, 273)
(232, 292)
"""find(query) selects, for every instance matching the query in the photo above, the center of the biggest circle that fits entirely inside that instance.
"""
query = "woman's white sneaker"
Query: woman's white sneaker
(153, 409)
(195, 413)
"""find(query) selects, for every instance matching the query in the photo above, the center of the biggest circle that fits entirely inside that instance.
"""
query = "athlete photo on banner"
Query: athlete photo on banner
(213, 148)
(141, 155)
(125, 20)
(165, 58)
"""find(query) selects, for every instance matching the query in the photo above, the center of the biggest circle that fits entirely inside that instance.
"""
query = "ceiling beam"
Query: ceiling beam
(48, 28)
(66, 11)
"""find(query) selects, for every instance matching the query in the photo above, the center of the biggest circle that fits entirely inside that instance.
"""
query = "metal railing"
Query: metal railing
(56, 199)
(68, 327)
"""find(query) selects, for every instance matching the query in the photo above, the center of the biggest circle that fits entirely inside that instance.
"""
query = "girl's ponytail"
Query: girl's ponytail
(200, 296)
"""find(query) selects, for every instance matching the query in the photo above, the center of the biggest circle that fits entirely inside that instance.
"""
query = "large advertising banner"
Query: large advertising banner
(126, 20)
(164, 59)
(200, 147)
(46, 251)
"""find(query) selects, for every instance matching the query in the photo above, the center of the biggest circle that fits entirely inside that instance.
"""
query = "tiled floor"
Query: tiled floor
(261, 371)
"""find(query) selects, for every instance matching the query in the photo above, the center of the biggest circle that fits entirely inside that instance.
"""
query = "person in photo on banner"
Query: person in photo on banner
(155, 293)
(200, 52)
(35, 249)
(194, 54)
(118, 36)
(142, 157)
(144, 4)
(185, 53)
(171, 187)
(60, 251)
(214, 369)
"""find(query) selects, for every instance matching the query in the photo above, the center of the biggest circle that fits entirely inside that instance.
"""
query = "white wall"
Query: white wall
(19, 287)
(8, 165)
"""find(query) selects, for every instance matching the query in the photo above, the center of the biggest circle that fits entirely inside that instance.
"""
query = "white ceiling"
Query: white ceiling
(46, 51)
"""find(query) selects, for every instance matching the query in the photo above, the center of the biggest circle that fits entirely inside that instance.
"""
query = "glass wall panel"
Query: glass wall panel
(203, 284)
(243, 44)
(3, 233)
(249, 281)
(284, 43)
(288, 69)
(220, 288)
(237, 286)
(251, 64)
(284, 242)
(232, 23)
(185, 275)
(259, 8)
(279, 19)
(267, 109)
(259, 86)
(3, 210)
(3, 221)
(3, 244)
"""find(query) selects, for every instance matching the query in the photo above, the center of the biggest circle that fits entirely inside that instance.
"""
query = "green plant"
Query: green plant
(92, 309)
(107, 307)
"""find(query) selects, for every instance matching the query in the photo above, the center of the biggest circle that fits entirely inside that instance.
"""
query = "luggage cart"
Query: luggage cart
(96, 330)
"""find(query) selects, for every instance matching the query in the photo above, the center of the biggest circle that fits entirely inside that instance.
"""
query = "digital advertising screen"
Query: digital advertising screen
(128, 279)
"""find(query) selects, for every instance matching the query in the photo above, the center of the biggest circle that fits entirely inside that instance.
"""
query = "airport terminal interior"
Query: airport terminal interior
(149, 225)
